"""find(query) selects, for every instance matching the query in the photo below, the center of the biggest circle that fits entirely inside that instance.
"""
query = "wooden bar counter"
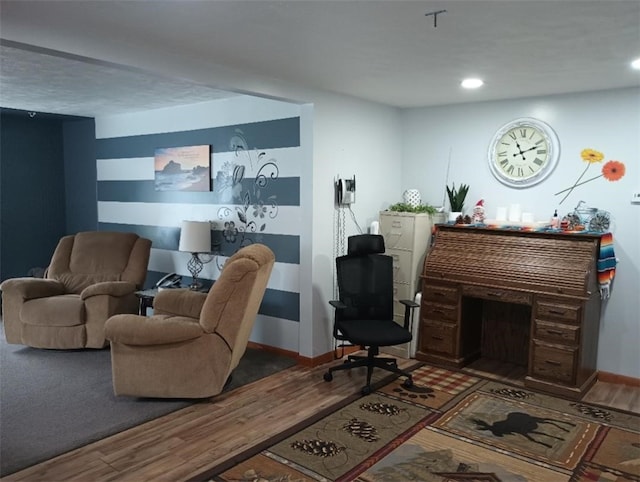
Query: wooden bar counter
(524, 297)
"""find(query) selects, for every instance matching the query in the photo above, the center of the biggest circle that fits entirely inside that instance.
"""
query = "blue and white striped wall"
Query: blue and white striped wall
(256, 168)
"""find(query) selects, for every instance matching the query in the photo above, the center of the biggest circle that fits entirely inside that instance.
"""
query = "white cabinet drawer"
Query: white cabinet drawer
(401, 292)
(402, 265)
(397, 231)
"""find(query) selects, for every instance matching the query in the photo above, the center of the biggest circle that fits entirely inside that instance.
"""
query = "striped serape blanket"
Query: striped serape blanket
(606, 265)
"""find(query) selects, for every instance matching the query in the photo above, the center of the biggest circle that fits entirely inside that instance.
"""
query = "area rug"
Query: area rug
(53, 401)
(453, 427)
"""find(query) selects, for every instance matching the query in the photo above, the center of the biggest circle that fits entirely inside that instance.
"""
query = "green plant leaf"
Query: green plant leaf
(407, 208)
(457, 196)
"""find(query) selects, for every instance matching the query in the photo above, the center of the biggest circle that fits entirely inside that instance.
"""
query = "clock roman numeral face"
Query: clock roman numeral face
(521, 153)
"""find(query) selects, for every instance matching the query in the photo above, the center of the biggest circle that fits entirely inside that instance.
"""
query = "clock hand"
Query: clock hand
(521, 152)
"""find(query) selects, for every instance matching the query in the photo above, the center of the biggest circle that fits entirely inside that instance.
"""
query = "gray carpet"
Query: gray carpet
(53, 401)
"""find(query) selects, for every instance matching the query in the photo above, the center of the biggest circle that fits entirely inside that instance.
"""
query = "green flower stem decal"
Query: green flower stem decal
(611, 171)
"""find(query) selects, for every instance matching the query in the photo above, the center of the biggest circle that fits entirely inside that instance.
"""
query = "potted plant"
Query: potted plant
(456, 199)
(407, 208)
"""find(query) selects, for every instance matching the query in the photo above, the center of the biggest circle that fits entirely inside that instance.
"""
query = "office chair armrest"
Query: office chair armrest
(409, 303)
(409, 306)
(337, 304)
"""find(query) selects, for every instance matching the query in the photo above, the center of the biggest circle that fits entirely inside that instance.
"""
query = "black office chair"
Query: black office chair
(364, 313)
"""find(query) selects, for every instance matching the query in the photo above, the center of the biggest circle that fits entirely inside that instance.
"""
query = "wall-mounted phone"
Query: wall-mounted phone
(345, 191)
(172, 280)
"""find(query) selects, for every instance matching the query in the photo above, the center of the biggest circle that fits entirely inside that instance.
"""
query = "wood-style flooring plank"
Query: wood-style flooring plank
(185, 443)
(622, 397)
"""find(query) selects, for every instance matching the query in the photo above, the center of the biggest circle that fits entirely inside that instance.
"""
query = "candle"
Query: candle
(515, 213)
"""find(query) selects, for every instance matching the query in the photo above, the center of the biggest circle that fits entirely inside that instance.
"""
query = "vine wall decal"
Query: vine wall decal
(250, 210)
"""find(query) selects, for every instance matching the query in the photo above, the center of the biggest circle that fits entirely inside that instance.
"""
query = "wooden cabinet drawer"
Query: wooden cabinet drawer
(553, 363)
(556, 332)
(438, 338)
(440, 294)
(436, 312)
(497, 294)
(563, 312)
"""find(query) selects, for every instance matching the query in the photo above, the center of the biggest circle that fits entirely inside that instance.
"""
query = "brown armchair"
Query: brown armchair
(92, 276)
(193, 342)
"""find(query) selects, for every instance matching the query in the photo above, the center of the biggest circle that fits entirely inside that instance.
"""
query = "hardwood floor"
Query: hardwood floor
(185, 443)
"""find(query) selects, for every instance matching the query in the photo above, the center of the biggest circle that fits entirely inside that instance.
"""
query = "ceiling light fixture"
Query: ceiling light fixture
(472, 83)
(635, 64)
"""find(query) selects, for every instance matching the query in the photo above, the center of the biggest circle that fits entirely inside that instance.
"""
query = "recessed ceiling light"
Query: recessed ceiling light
(635, 64)
(471, 83)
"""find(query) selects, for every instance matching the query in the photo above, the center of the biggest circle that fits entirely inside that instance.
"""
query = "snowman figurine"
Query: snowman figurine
(478, 213)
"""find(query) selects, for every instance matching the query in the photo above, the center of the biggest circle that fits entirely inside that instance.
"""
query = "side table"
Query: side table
(146, 298)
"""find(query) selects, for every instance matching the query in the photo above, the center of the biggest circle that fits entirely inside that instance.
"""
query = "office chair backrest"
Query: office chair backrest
(365, 280)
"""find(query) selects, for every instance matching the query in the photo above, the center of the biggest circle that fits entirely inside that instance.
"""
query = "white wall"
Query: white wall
(354, 137)
(286, 277)
(608, 121)
(350, 138)
(346, 137)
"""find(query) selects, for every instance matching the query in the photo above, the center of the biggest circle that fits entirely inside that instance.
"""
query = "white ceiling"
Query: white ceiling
(387, 51)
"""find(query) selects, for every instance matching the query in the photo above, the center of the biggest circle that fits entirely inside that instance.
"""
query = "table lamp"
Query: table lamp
(195, 238)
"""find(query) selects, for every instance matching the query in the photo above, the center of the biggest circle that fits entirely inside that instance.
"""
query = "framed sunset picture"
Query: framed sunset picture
(183, 168)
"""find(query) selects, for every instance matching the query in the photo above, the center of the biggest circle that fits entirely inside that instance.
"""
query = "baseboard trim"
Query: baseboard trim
(303, 360)
(273, 349)
(619, 379)
(606, 377)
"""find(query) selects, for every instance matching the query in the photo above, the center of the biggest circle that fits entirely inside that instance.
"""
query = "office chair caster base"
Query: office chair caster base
(408, 383)
(328, 377)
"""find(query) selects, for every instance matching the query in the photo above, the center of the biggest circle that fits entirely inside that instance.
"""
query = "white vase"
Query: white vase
(453, 215)
(412, 197)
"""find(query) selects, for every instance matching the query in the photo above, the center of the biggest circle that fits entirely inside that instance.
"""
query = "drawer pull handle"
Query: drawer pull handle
(554, 332)
(552, 362)
(557, 312)
(439, 338)
(494, 295)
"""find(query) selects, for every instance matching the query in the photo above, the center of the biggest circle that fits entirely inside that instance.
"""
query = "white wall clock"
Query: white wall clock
(523, 152)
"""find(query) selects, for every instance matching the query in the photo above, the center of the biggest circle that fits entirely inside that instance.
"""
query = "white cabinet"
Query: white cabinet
(406, 237)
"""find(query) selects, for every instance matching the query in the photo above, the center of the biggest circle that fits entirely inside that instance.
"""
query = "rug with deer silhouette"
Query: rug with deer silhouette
(452, 426)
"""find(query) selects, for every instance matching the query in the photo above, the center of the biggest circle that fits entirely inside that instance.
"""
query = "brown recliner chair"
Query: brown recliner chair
(194, 340)
(92, 276)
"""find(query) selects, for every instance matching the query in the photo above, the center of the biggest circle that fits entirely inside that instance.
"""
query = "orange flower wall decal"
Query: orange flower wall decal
(611, 170)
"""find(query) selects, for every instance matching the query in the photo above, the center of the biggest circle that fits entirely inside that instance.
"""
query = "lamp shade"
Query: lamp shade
(195, 237)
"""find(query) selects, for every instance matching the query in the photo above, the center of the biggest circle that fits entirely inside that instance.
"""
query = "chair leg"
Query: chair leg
(352, 363)
(370, 361)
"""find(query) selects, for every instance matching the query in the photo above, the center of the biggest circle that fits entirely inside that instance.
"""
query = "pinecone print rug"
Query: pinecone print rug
(451, 426)
(339, 442)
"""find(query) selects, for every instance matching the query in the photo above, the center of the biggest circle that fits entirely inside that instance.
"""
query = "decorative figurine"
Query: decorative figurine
(478, 212)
